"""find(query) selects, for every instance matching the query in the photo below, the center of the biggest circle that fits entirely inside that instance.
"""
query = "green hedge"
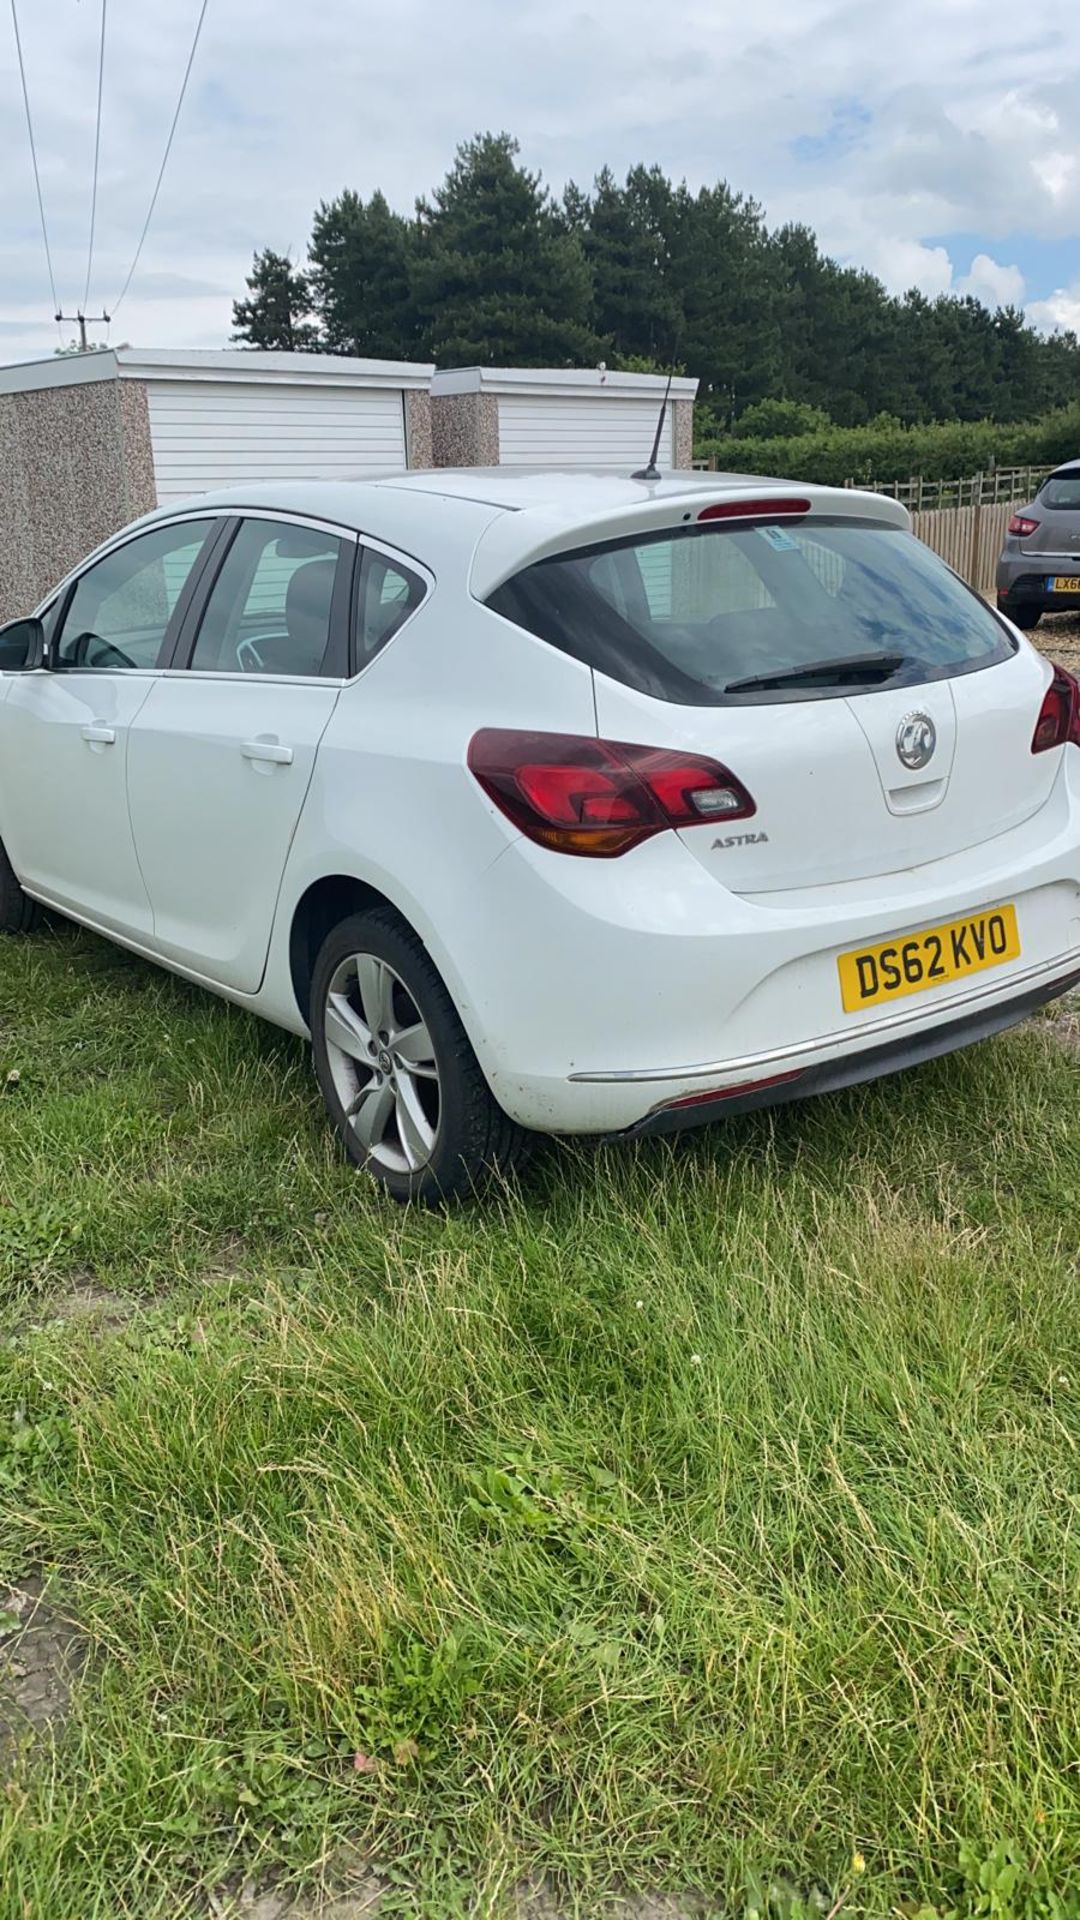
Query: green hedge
(885, 452)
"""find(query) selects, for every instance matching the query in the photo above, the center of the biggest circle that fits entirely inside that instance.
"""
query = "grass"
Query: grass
(700, 1515)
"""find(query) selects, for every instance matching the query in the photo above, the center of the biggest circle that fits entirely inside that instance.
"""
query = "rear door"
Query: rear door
(222, 751)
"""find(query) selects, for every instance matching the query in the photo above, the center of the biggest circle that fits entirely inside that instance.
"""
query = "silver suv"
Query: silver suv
(1039, 568)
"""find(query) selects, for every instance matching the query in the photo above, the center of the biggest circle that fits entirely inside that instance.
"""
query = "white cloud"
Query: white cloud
(907, 263)
(1060, 310)
(995, 285)
(886, 131)
(1057, 172)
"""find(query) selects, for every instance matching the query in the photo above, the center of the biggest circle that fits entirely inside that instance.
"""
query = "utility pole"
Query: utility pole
(81, 318)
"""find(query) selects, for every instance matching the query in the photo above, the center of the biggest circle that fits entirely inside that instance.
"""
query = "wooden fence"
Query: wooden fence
(997, 487)
(968, 538)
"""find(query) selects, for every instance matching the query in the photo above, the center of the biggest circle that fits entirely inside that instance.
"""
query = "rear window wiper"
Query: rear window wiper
(857, 666)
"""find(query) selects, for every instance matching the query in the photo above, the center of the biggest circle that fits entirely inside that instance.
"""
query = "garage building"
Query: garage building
(89, 441)
(559, 417)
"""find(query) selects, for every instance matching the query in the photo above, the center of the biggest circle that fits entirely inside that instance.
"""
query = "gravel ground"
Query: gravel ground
(1058, 635)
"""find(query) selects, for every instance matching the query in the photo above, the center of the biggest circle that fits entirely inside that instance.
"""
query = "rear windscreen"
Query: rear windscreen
(714, 615)
(1062, 490)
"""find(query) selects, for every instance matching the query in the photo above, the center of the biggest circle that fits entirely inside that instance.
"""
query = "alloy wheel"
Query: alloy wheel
(382, 1061)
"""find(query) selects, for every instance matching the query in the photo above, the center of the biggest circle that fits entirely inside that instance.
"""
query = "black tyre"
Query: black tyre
(401, 1082)
(1026, 618)
(18, 913)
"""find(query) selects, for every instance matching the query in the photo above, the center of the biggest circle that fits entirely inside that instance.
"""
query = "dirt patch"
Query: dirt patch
(42, 1654)
(537, 1903)
(362, 1899)
(85, 1300)
(81, 1301)
(361, 1902)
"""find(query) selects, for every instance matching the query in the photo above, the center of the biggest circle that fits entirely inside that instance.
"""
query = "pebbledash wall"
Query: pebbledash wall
(556, 417)
(75, 464)
(89, 442)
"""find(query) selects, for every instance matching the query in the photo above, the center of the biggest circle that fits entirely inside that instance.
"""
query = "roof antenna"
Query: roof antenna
(652, 471)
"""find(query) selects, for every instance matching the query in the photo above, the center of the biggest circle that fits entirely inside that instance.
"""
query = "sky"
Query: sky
(936, 142)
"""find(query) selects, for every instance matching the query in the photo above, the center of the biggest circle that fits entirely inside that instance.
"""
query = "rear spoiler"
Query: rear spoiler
(514, 541)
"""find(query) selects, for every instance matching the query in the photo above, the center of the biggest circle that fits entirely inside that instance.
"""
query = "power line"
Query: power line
(97, 153)
(164, 157)
(33, 155)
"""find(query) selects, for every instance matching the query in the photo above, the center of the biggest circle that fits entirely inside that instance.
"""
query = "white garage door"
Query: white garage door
(596, 430)
(210, 433)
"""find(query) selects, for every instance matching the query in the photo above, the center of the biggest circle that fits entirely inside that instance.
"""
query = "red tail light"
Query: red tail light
(1058, 724)
(1021, 524)
(753, 509)
(602, 797)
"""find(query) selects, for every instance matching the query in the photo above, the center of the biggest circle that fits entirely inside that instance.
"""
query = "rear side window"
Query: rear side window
(1062, 491)
(708, 616)
(389, 592)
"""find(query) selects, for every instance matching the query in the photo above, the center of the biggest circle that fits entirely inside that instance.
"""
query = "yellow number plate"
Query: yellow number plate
(1067, 583)
(928, 959)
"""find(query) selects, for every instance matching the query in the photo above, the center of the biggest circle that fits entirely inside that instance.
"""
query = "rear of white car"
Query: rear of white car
(828, 823)
(558, 801)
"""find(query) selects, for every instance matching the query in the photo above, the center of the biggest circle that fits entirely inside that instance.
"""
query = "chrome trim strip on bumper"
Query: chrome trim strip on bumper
(1062, 963)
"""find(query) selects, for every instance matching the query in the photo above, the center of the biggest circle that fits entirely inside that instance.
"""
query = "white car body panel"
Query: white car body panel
(817, 770)
(63, 792)
(394, 806)
(593, 990)
(214, 806)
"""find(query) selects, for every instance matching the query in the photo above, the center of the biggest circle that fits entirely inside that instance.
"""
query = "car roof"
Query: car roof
(1067, 466)
(497, 520)
(509, 489)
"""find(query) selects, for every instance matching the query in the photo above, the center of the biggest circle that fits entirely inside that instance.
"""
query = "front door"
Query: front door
(221, 753)
(64, 732)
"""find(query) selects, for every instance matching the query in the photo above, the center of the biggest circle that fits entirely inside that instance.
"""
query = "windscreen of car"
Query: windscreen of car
(689, 613)
(1062, 490)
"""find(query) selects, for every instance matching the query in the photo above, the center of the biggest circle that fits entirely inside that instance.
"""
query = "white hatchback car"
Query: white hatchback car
(550, 802)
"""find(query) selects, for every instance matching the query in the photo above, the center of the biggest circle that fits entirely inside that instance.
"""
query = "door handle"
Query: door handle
(270, 750)
(100, 736)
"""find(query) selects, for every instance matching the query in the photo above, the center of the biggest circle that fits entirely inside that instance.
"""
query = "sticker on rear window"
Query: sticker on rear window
(776, 537)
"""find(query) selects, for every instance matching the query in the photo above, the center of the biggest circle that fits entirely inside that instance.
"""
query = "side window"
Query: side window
(269, 611)
(389, 592)
(120, 611)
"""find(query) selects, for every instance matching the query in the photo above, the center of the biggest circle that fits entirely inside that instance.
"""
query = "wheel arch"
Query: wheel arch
(323, 904)
(329, 898)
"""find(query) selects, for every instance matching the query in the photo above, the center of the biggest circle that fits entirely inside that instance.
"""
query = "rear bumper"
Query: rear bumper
(870, 1063)
(1022, 581)
(597, 993)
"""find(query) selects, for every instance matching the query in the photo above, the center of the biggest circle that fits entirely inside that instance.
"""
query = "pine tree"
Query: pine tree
(360, 278)
(727, 291)
(627, 237)
(491, 270)
(497, 276)
(277, 313)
